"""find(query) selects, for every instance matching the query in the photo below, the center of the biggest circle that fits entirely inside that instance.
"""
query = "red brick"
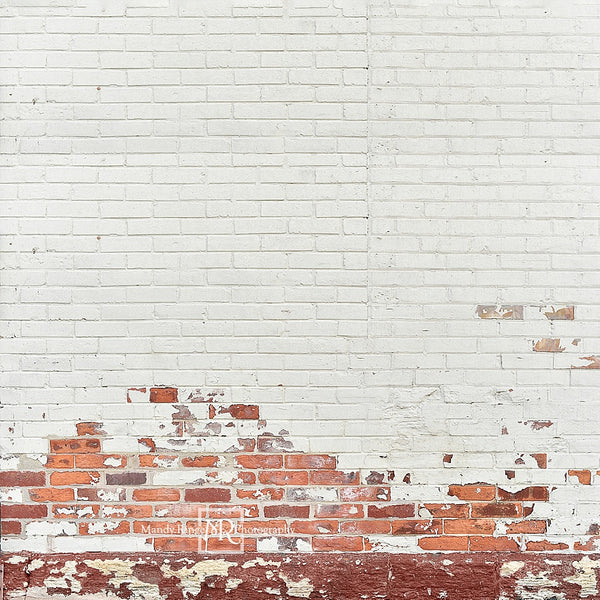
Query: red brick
(89, 428)
(398, 511)
(567, 313)
(510, 312)
(98, 494)
(283, 477)
(534, 492)
(287, 510)
(169, 544)
(532, 526)
(162, 395)
(75, 446)
(203, 494)
(51, 495)
(544, 546)
(99, 461)
(337, 544)
(274, 527)
(469, 526)
(366, 527)
(495, 510)
(200, 461)
(225, 545)
(233, 511)
(60, 461)
(310, 461)
(334, 478)
(156, 495)
(479, 491)
(541, 459)
(364, 494)
(259, 461)
(90, 528)
(24, 511)
(22, 478)
(10, 527)
(152, 460)
(548, 345)
(583, 475)
(74, 478)
(314, 527)
(261, 494)
(416, 526)
(448, 511)
(342, 511)
(493, 544)
(125, 478)
(241, 411)
(446, 542)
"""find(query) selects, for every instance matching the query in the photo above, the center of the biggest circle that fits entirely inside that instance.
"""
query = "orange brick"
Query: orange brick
(51, 495)
(275, 527)
(89, 428)
(225, 545)
(158, 527)
(283, 477)
(163, 394)
(479, 491)
(60, 461)
(532, 526)
(544, 546)
(495, 510)
(259, 461)
(337, 544)
(469, 526)
(448, 511)
(100, 461)
(315, 527)
(310, 461)
(232, 511)
(446, 542)
(261, 494)
(364, 494)
(75, 446)
(156, 495)
(397, 511)
(493, 544)
(74, 478)
(170, 544)
(200, 461)
(528, 494)
(583, 475)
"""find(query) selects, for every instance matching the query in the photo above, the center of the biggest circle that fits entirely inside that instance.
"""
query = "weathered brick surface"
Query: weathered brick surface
(342, 255)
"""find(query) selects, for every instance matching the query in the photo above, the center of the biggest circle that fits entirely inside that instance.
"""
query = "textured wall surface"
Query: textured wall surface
(334, 262)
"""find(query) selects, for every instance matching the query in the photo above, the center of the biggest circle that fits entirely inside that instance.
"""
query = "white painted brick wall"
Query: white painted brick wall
(303, 202)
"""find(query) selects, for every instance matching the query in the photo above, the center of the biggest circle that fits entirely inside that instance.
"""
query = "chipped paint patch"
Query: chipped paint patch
(67, 581)
(511, 567)
(297, 589)
(585, 576)
(121, 572)
(192, 578)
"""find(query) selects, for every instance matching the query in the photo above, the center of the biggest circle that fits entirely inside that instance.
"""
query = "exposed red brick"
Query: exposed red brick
(495, 510)
(448, 511)
(75, 446)
(283, 477)
(548, 345)
(315, 527)
(170, 544)
(416, 526)
(22, 478)
(225, 545)
(533, 492)
(310, 461)
(341, 511)
(259, 461)
(477, 491)
(125, 478)
(532, 526)
(334, 478)
(493, 544)
(158, 527)
(446, 542)
(241, 411)
(593, 362)
(90, 428)
(545, 546)
(233, 511)
(156, 495)
(583, 475)
(203, 494)
(261, 494)
(492, 311)
(287, 510)
(391, 511)
(447, 458)
(541, 459)
(60, 461)
(364, 494)
(538, 425)
(200, 461)
(275, 527)
(147, 443)
(566, 313)
(24, 511)
(10, 527)
(469, 526)
(74, 478)
(51, 495)
(337, 544)
(98, 494)
(100, 461)
(163, 395)
(366, 527)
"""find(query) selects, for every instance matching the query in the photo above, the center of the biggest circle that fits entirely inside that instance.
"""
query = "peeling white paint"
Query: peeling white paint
(297, 589)
(260, 562)
(511, 567)
(192, 578)
(122, 572)
(585, 576)
(67, 581)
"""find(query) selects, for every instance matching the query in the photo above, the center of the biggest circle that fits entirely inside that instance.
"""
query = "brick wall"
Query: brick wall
(365, 231)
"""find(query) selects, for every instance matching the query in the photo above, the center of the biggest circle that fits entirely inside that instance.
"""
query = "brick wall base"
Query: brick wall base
(343, 576)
